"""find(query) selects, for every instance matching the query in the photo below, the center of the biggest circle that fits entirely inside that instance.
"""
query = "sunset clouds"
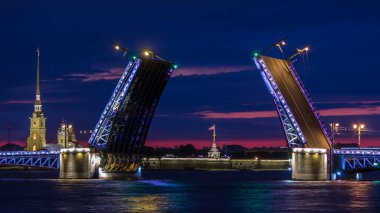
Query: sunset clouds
(115, 73)
(271, 114)
(210, 70)
(111, 74)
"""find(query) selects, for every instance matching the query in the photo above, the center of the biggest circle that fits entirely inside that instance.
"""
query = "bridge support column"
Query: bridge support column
(78, 163)
(310, 164)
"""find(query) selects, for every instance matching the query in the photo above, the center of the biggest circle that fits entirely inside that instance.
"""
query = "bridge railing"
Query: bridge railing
(46, 159)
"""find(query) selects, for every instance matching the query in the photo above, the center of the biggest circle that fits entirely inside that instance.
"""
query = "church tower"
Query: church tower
(36, 139)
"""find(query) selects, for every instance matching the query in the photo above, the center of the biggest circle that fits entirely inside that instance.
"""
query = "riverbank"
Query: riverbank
(213, 164)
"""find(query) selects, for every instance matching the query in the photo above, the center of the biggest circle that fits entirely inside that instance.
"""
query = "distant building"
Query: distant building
(230, 150)
(66, 136)
(37, 136)
(214, 151)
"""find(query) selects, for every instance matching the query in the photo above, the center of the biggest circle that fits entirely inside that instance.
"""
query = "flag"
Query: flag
(212, 127)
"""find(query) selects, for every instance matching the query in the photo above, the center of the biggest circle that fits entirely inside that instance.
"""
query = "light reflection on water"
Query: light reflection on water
(360, 195)
(188, 192)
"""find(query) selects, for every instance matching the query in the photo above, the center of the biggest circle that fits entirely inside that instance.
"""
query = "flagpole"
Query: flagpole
(214, 135)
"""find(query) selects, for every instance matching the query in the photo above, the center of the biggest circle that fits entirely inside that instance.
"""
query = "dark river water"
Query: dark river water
(189, 191)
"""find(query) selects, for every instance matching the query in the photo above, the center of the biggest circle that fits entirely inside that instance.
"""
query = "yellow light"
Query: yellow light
(70, 126)
(306, 49)
(117, 47)
(361, 126)
(146, 53)
(355, 126)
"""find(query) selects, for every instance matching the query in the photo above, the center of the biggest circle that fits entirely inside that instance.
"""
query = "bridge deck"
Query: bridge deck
(298, 103)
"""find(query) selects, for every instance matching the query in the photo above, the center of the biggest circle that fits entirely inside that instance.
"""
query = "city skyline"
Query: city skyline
(79, 70)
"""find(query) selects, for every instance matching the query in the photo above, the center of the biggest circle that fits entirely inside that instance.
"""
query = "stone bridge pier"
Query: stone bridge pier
(310, 164)
(78, 163)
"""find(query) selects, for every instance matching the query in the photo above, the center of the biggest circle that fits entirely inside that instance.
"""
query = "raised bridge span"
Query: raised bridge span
(120, 133)
(299, 117)
(313, 157)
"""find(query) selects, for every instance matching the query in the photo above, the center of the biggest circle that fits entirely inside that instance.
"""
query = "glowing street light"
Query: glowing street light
(153, 55)
(125, 50)
(358, 129)
(334, 130)
(299, 52)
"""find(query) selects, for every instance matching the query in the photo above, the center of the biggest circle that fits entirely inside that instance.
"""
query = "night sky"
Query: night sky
(212, 42)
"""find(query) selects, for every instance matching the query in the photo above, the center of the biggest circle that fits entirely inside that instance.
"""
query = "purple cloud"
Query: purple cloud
(349, 111)
(65, 100)
(210, 70)
(110, 74)
(114, 73)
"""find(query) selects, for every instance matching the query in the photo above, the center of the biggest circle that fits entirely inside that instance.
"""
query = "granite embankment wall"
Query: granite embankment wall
(213, 164)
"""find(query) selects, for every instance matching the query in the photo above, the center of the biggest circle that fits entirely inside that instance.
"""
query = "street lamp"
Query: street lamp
(358, 130)
(334, 130)
(126, 51)
(152, 55)
(299, 52)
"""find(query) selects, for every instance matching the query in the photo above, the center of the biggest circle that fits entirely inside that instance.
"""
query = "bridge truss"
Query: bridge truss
(358, 160)
(102, 130)
(291, 128)
(44, 159)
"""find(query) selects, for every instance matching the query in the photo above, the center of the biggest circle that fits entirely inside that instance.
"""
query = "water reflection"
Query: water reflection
(188, 192)
(294, 196)
(145, 203)
(159, 183)
(360, 194)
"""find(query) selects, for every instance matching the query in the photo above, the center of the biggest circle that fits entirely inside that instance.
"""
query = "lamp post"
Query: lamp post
(358, 130)
(334, 130)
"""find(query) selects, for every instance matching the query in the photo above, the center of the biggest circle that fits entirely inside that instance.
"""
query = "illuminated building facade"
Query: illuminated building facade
(66, 136)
